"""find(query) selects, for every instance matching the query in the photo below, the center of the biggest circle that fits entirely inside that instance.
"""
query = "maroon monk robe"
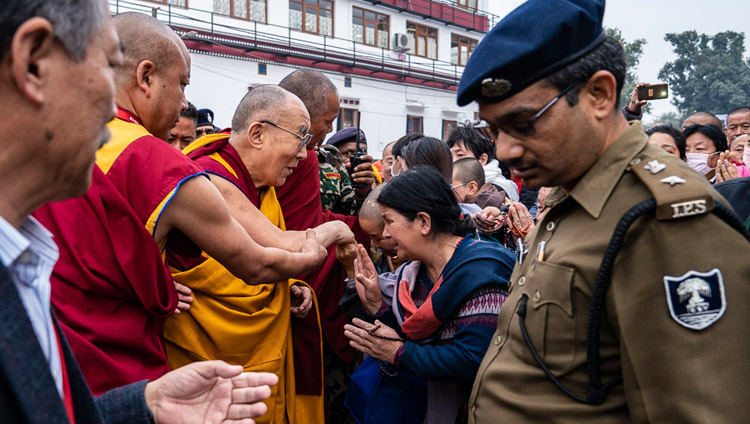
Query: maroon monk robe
(300, 202)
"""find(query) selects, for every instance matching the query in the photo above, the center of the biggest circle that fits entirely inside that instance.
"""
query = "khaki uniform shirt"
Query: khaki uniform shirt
(671, 373)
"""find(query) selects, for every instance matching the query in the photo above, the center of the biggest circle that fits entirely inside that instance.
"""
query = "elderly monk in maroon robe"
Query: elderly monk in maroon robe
(110, 288)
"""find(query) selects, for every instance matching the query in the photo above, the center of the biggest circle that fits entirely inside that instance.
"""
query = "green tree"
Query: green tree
(633, 52)
(709, 74)
(671, 118)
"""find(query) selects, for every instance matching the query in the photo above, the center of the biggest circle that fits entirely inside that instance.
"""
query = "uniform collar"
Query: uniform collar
(596, 185)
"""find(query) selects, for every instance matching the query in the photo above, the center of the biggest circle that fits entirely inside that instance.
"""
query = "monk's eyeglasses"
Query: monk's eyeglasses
(525, 128)
(303, 139)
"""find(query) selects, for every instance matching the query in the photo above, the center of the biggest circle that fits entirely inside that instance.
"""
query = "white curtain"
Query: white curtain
(383, 39)
(221, 7)
(258, 10)
(240, 9)
(432, 48)
(326, 25)
(357, 32)
(295, 19)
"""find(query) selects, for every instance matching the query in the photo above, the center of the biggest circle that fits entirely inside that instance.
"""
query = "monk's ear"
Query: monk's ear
(424, 221)
(144, 75)
(255, 135)
(32, 57)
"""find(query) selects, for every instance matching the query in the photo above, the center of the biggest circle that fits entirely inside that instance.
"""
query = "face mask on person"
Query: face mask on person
(699, 161)
(746, 156)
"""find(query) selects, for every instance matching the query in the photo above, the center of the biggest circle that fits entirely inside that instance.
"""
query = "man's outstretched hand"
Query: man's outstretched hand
(209, 392)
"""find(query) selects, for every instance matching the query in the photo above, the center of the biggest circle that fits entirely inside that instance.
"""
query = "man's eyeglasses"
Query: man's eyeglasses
(303, 139)
(525, 128)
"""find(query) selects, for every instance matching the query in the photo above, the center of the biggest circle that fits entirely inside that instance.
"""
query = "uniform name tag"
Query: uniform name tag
(693, 207)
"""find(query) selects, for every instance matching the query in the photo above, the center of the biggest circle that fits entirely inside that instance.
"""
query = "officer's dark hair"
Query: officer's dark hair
(472, 140)
(608, 56)
(74, 22)
(467, 170)
(403, 141)
(312, 87)
(424, 189)
(710, 131)
(676, 134)
(429, 151)
(190, 113)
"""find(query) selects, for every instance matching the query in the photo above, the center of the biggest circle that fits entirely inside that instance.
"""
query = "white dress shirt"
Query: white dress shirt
(29, 254)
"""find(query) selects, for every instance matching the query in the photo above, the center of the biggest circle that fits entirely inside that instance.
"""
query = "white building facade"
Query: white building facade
(396, 63)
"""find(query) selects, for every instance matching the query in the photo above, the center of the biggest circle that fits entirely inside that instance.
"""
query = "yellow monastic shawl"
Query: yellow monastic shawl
(243, 324)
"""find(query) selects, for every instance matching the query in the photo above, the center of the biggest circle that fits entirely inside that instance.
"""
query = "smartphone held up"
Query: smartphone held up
(653, 92)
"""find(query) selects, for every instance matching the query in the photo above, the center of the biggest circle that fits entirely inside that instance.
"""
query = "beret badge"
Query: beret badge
(492, 87)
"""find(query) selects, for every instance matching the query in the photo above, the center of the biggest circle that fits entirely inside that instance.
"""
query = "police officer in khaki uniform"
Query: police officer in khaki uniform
(631, 298)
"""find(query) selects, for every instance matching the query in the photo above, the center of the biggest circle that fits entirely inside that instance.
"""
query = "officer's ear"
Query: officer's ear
(600, 94)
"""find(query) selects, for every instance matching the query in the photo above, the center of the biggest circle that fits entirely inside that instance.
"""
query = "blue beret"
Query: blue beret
(347, 135)
(537, 39)
(205, 117)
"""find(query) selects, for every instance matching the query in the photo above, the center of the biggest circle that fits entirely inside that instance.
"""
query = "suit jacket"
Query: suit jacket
(27, 389)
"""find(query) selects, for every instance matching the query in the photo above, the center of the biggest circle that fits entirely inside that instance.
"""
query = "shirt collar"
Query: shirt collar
(596, 185)
(32, 235)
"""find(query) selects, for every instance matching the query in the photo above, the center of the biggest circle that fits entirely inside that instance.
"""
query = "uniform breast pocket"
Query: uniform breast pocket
(544, 321)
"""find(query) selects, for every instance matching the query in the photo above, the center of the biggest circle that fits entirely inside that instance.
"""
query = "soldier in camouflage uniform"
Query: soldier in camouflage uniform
(336, 191)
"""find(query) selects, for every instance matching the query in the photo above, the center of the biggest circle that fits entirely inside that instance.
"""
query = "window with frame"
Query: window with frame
(370, 28)
(413, 124)
(313, 16)
(180, 3)
(425, 40)
(253, 10)
(348, 118)
(469, 4)
(448, 126)
(461, 48)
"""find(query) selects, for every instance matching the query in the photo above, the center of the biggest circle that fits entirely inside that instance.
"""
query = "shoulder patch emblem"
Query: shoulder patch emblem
(696, 299)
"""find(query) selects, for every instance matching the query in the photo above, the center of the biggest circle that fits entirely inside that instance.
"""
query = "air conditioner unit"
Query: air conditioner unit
(402, 43)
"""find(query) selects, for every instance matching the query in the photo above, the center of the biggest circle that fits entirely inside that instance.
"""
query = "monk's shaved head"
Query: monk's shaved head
(145, 38)
(370, 209)
(267, 102)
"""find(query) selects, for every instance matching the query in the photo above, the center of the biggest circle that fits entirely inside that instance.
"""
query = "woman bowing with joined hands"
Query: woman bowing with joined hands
(446, 298)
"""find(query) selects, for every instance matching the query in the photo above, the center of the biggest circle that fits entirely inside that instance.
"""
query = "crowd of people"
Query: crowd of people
(552, 262)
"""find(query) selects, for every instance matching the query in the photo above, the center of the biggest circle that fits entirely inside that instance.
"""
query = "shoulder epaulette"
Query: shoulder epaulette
(677, 190)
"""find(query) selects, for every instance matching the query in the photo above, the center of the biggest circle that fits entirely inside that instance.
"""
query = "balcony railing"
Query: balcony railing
(221, 35)
(443, 11)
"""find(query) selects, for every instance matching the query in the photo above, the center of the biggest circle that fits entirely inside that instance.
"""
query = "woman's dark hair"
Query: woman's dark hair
(424, 189)
(473, 140)
(676, 134)
(429, 151)
(403, 141)
(714, 134)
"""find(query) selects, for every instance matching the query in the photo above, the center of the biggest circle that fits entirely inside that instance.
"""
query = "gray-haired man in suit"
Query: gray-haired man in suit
(56, 96)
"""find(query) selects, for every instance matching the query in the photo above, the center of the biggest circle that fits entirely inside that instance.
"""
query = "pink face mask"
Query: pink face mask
(746, 156)
(699, 161)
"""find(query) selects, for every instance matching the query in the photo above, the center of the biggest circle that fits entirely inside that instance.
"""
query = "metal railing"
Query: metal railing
(445, 11)
(244, 37)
